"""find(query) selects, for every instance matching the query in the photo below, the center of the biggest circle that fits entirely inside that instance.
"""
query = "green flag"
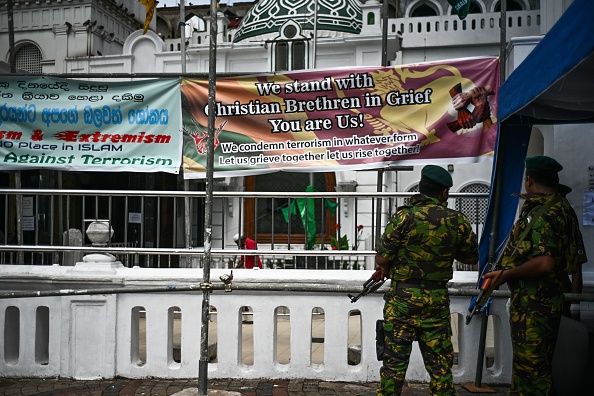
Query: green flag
(288, 212)
(308, 214)
(331, 205)
(461, 7)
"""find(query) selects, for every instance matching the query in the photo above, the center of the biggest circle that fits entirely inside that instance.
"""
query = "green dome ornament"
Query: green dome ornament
(267, 16)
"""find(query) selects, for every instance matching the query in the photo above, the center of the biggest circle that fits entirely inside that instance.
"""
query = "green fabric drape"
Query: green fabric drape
(331, 205)
(307, 210)
(305, 207)
(289, 211)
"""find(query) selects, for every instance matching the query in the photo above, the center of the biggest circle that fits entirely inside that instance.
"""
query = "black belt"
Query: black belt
(525, 283)
(421, 284)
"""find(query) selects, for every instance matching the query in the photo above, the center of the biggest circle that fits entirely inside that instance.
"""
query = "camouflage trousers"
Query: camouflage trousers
(423, 315)
(534, 324)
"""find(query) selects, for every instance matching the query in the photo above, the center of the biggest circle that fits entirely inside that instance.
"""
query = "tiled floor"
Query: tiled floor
(172, 387)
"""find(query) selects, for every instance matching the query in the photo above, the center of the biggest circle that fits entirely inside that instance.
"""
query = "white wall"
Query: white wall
(95, 336)
(571, 146)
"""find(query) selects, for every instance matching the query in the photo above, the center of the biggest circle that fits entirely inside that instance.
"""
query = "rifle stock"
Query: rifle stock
(484, 297)
(486, 288)
(480, 299)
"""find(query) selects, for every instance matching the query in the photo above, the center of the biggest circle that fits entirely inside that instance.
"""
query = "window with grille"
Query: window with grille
(475, 209)
(282, 58)
(290, 55)
(290, 48)
(28, 58)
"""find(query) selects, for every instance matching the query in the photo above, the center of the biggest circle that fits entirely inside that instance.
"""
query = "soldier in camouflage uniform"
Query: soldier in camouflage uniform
(576, 284)
(416, 252)
(536, 270)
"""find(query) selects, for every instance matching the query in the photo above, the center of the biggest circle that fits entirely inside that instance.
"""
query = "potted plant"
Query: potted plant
(342, 243)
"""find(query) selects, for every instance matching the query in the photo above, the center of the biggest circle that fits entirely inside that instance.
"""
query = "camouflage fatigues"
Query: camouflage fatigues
(421, 242)
(537, 303)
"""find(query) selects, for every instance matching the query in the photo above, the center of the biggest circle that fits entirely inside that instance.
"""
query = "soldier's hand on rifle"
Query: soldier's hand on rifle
(383, 272)
(497, 276)
(370, 285)
(383, 266)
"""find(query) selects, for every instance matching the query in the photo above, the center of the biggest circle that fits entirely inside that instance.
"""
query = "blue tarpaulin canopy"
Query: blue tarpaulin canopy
(553, 85)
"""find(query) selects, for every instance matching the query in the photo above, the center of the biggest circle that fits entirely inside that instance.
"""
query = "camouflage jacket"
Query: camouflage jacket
(423, 239)
(555, 233)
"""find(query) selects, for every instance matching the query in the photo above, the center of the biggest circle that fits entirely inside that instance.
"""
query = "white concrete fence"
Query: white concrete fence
(134, 335)
(475, 29)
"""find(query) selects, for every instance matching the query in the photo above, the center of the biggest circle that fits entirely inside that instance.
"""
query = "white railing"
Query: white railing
(54, 231)
(475, 29)
(138, 335)
(443, 30)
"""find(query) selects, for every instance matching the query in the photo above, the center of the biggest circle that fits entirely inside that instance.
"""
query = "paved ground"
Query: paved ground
(160, 387)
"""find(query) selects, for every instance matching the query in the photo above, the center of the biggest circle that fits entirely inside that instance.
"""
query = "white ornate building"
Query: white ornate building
(105, 36)
(61, 336)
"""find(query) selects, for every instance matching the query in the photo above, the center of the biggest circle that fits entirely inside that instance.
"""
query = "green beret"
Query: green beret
(563, 189)
(437, 175)
(543, 163)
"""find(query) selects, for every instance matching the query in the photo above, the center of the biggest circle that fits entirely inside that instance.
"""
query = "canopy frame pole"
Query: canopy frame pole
(385, 33)
(496, 198)
(315, 35)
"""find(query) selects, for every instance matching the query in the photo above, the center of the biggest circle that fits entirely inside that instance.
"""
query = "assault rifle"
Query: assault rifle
(486, 288)
(370, 285)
